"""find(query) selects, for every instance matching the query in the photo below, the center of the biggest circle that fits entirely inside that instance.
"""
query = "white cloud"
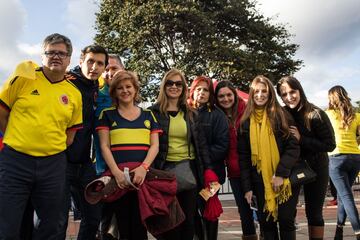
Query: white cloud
(323, 28)
(30, 49)
(80, 18)
(329, 36)
(10, 33)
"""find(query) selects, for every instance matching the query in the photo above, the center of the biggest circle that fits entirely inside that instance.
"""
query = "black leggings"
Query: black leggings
(314, 193)
(286, 211)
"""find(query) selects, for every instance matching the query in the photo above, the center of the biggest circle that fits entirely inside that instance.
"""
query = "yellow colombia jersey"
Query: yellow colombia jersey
(345, 138)
(40, 111)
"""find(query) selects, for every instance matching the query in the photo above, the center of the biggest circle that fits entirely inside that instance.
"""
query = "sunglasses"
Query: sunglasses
(170, 83)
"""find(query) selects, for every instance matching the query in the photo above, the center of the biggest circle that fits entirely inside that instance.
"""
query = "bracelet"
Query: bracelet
(145, 165)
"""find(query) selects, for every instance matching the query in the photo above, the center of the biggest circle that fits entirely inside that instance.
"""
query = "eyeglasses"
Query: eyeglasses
(170, 83)
(52, 54)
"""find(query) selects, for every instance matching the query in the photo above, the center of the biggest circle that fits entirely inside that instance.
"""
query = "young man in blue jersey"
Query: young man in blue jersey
(104, 101)
(80, 169)
(39, 115)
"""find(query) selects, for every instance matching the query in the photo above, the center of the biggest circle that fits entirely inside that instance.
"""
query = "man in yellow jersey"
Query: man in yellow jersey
(39, 115)
(80, 169)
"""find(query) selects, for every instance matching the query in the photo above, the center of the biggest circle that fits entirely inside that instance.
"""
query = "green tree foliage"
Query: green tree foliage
(357, 106)
(224, 39)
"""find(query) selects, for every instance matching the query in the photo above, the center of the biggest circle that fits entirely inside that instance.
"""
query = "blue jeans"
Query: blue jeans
(246, 214)
(343, 171)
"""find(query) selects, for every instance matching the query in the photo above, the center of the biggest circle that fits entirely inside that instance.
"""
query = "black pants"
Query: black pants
(40, 179)
(77, 177)
(314, 193)
(128, 217)
(286, 211)
(186, 230)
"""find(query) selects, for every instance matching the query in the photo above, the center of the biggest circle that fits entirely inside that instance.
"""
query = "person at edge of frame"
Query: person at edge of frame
(39, 115)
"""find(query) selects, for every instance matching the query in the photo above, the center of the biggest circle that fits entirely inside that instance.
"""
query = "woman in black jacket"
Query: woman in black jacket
(214, 124)
(316, 136)
(267, 153)
(181, 142)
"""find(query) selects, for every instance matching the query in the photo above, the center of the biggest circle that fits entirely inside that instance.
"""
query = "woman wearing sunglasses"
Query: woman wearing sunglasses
(181, 143)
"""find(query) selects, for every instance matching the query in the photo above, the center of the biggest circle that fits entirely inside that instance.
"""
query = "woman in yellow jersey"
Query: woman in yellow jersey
(128, 134)
(267, 153)
(345, 159)
(181, 143)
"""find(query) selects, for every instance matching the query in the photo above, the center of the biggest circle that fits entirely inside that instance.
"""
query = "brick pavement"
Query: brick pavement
(230, 228)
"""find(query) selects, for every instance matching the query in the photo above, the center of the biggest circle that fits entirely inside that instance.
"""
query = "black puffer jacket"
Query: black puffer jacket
(195, 136)
(79, 151)
(289, 151)
(215, 126)
(315, 143)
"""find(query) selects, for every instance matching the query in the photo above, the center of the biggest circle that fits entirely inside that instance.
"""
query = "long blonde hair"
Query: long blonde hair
(162, 99)
(340, 101)
(276, 114)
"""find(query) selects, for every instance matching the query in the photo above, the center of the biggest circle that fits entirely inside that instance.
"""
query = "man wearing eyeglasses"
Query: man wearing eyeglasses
(40, 113)
(80, 169)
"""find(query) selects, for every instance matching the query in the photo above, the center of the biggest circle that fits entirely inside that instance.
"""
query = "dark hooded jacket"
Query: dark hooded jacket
(214, 124)
(315, 143)
(79, 151)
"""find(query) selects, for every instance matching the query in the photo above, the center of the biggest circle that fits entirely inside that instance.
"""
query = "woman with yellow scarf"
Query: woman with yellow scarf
(267, 153)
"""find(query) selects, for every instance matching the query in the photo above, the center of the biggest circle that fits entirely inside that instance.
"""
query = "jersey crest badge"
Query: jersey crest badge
(147, 124)
(64, 99)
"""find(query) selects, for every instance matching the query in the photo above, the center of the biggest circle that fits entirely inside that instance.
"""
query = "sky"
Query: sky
(328, 32)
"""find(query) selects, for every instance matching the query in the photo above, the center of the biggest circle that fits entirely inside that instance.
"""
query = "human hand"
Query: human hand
(120, 179)
(248, 196)
(139, 175)
(277, 182)
(295, 132)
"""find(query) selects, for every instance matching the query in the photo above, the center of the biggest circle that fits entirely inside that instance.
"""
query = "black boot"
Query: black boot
(288, 235)
(271, 236)
(357, 236)
(212, 229)
(338, 233)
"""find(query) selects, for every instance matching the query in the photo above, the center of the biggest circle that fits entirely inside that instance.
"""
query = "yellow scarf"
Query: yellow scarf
(265, 156)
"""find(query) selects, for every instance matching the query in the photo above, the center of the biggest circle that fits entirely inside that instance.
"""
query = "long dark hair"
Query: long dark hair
(340, 101)
(237, 100)
(305, 105)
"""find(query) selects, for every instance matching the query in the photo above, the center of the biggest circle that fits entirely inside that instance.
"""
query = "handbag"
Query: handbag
(301, 174)
(184, 175)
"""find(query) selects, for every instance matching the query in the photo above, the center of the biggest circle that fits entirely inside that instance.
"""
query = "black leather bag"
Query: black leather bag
(301, 174)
